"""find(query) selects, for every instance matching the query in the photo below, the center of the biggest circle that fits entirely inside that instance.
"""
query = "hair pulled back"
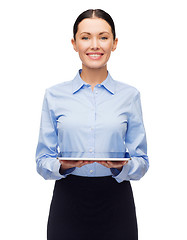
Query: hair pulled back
(94, 13)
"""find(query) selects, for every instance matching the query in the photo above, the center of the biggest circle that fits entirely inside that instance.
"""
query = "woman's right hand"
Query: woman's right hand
(66, 164)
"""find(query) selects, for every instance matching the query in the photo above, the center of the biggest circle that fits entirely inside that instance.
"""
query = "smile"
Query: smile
(95, 56)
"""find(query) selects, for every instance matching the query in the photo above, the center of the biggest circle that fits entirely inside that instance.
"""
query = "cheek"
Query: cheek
(107, 47)
(82, 47)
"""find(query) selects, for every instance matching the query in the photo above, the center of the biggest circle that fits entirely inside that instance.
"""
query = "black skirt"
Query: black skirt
(92, 208)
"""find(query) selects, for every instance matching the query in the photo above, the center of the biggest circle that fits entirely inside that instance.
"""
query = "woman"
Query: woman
(92, 116)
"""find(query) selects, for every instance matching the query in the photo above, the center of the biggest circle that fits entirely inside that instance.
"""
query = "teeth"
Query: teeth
(95, 55)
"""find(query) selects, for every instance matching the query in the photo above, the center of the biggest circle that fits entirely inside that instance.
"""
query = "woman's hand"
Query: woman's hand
(113, 164)
(66, 164)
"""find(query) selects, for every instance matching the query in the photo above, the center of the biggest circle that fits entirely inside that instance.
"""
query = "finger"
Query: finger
(104, 163)
(115, 164)
(68, 162)
(124, 163)
(111, 164)
(82, 164)
(79, 163)
(87, 162)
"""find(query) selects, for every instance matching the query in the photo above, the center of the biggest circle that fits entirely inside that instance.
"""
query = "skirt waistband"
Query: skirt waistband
(74, 181)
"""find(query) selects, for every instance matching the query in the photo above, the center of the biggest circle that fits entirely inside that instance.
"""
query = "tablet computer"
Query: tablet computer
(93, 159)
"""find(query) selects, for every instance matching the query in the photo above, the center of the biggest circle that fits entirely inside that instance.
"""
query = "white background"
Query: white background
(36, 53)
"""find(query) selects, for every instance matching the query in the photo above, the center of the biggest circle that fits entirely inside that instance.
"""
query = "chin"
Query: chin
(95, 66)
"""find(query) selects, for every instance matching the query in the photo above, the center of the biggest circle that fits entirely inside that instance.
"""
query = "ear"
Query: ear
(115, 45)
(74, 44)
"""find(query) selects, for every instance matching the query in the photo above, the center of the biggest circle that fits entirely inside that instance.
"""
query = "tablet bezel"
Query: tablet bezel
(93, 159)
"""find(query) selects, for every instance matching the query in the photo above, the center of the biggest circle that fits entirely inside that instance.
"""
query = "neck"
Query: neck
(94, 76)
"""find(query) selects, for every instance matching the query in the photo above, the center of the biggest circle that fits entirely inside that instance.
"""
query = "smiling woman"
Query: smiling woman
(92, 116)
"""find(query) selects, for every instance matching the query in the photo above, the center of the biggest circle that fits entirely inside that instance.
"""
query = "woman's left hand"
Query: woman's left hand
(113, 164)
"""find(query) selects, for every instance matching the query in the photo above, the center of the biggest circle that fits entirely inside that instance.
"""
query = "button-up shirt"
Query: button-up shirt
(103, 123)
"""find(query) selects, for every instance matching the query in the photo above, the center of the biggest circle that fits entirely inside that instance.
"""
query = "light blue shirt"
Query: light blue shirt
(79, 122)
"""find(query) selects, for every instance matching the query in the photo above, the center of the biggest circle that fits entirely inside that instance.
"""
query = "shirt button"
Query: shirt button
(91, 150)
(91, 128)
(96, 92)
(91, 171)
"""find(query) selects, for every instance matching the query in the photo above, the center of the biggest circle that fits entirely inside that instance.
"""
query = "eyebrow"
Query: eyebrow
(90, 33)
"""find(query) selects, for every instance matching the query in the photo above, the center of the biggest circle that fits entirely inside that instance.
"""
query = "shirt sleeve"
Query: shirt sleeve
(136, 144)
(47, 164)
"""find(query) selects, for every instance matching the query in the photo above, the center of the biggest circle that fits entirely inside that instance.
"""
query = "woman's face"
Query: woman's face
(94, 42)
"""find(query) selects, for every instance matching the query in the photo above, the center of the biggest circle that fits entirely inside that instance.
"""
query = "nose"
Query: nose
(95, 44)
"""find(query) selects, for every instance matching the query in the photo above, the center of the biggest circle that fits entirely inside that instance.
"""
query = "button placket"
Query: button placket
(91, 140)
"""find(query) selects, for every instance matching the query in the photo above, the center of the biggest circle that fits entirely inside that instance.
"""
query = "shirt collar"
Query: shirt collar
(78, 83)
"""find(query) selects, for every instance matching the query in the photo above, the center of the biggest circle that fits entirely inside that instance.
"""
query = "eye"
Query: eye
(84, 38)
(104, 38)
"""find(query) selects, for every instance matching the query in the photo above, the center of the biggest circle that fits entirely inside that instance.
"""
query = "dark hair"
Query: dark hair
(94, 13)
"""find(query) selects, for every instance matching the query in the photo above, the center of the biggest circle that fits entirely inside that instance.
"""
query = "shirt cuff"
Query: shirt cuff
(55, 174)
(54, 171)
(123, 174)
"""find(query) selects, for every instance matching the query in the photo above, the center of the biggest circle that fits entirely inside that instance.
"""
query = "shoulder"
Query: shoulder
(59, 89)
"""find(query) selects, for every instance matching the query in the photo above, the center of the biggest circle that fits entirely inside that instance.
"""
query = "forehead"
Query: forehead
(94, 25)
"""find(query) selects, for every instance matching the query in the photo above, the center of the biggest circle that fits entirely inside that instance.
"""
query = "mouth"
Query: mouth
(95, 56)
